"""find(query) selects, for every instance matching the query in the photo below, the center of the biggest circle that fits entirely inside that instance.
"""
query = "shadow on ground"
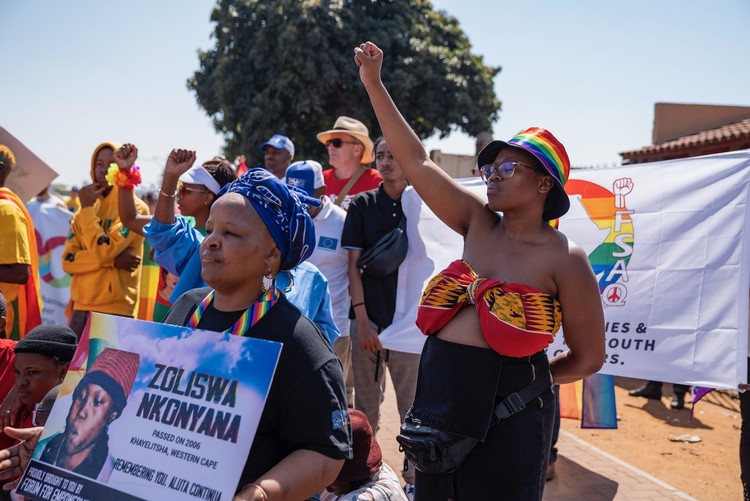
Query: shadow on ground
(660, 409)
(573, 479)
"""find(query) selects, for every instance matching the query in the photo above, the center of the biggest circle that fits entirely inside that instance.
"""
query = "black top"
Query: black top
(371, 215)
(306, 405)
(91, 465)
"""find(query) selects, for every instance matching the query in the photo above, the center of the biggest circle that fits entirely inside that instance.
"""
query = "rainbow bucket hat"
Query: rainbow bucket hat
(550, 153)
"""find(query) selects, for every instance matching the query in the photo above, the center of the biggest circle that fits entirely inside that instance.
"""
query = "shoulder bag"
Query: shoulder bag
(384, 258)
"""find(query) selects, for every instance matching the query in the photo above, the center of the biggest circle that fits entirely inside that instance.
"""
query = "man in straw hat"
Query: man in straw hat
(350, 151)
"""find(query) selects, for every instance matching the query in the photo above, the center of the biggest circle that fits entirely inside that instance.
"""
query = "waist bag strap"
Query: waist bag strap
(516, 402)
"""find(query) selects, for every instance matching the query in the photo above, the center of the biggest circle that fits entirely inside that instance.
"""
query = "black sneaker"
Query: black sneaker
(648, 390)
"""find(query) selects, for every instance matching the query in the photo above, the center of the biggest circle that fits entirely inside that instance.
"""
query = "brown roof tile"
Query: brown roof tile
(724, 134)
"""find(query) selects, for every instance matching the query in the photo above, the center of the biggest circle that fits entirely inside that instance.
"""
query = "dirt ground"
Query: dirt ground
(707, 470)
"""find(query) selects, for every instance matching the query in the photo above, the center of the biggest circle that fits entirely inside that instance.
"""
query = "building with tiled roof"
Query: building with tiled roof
(691, 130)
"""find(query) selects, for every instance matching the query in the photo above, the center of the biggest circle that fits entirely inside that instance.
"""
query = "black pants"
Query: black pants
(678, 389)
(511, 461)
(555, 427)
(745, 440)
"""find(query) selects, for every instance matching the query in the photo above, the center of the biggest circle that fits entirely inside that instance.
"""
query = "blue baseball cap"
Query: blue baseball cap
(307, 175)
(280, 143)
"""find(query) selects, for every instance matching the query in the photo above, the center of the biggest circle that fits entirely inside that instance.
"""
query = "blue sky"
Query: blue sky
(79, 72)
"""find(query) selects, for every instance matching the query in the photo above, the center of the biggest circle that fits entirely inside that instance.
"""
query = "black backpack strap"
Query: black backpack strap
(516, 402)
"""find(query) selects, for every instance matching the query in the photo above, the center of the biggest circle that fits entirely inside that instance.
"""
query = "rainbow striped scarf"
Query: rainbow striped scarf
(249, 318)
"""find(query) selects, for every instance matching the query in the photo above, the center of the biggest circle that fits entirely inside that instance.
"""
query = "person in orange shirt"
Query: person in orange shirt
(102, 255)
(19, 270)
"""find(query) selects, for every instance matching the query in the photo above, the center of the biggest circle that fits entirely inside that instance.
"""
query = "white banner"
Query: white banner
(52, 225)
(666, 241)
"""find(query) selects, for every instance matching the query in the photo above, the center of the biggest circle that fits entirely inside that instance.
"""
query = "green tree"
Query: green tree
(286, 66)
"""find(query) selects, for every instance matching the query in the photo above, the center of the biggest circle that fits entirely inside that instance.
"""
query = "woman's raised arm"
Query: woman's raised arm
(452, 203)
(178, 162)
(125, 158)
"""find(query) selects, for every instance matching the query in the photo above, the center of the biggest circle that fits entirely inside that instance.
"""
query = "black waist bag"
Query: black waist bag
(431, 450)
(437, 452)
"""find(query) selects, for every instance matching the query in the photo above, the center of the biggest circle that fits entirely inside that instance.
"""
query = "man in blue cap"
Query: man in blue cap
(278, 153)
(331, 259)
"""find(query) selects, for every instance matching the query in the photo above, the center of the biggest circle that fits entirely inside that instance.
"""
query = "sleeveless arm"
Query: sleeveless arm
(583, 320)
(453, 204)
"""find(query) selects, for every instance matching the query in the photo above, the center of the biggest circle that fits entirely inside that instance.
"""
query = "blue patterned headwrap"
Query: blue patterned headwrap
(283, 209)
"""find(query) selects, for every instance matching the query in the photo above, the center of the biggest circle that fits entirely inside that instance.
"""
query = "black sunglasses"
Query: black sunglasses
(337, 142)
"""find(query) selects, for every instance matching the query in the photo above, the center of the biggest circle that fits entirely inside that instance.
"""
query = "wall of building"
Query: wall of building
(455, 165)
(675, 120)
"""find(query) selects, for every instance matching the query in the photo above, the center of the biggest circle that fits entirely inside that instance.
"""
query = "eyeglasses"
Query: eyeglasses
(337, 142)
(504, 170)
(182, 188)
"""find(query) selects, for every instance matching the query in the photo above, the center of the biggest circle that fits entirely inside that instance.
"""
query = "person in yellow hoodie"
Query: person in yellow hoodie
(101, 254)
(19, 270)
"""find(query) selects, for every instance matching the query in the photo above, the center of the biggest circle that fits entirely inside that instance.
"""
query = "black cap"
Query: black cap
(56, 341)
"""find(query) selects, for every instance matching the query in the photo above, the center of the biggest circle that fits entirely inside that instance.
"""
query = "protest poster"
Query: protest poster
(31, 174)
(192, 402)
(666, 242)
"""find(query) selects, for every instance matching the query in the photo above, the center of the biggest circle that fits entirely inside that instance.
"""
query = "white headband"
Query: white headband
(197, 174)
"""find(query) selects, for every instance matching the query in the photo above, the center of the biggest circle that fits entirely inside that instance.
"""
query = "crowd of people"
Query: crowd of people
(297, 265)
(276, 253)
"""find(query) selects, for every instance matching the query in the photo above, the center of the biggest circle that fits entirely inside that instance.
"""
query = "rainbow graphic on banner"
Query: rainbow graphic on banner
(607, 210)
(46, 250)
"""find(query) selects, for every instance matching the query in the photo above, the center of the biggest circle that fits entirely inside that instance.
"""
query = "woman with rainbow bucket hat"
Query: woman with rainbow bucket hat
(484, 374)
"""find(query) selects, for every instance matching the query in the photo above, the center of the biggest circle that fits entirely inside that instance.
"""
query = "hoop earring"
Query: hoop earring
(267, 282)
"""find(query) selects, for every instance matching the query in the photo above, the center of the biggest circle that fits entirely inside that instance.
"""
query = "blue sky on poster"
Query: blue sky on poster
(83, 71)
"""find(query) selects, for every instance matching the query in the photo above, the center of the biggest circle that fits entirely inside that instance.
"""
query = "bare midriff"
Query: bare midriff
(464, 329)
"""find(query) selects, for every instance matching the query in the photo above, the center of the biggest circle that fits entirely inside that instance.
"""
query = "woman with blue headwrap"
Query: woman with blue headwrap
(258, 227)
